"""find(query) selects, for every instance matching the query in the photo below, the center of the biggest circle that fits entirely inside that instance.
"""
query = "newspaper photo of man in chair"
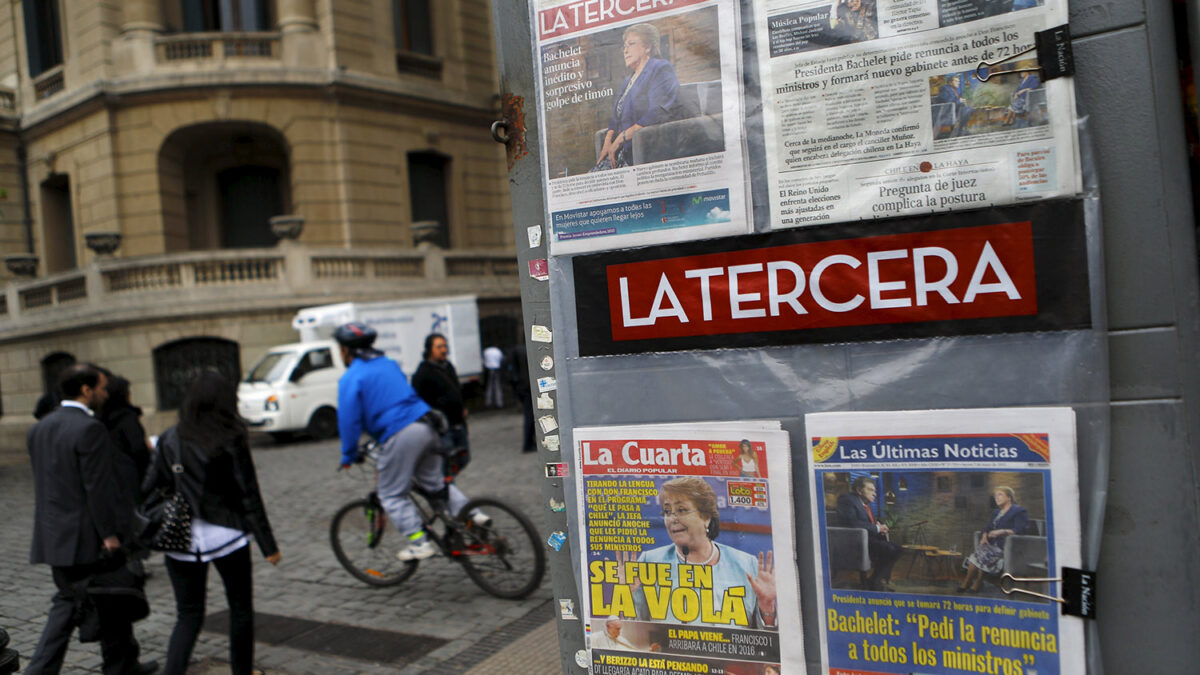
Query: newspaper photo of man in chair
(934, 532)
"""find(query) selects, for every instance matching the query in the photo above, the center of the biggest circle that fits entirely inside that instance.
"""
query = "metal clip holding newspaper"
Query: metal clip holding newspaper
(1055, 59)
(1079, 590)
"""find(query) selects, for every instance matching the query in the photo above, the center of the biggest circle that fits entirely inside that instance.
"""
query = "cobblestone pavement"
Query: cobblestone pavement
(302, 491)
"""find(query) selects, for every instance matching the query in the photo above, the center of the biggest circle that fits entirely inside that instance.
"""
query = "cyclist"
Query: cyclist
(374, 396)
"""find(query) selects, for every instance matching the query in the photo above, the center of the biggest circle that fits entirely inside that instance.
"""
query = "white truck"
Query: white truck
(293, 387)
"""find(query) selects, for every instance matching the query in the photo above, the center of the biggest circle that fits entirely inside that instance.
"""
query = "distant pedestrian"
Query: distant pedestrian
(47, 403)
(122, 419)
(493, 393)
(131, 456)
(436, 382)
(77, 522)
(207, 456)
(518, 374)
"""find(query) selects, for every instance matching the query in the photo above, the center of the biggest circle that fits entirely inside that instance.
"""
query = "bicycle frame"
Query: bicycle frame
(430, 516)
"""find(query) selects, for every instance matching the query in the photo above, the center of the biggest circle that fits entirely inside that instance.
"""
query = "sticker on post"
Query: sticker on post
(550, 443)
(548, 423)
(581, 658)
(547, 384)
(540, 334)
(538, 269)
(557, 505)
(556, 540)
(547, 363)
(535, 235)
(557, 470)
(545, 402)
(566, 609)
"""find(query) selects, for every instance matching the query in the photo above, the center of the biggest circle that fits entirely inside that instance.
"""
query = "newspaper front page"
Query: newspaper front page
(876, 108)
(917, 517)
(687, 552)
(641, 106)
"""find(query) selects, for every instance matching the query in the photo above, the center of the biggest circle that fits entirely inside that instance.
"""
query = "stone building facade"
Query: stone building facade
(175, 130)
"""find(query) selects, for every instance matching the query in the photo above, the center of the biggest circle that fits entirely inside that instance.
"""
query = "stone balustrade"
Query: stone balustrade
(216, 46)
(208, 282)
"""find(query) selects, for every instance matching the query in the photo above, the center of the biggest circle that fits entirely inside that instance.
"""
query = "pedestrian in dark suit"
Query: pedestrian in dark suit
(77, 521)
(854, 510)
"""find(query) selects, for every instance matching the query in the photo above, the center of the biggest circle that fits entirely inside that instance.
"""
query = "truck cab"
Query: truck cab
(293, 387)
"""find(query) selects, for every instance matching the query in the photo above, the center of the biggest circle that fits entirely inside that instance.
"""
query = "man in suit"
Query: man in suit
(854, 510)
(76, 528)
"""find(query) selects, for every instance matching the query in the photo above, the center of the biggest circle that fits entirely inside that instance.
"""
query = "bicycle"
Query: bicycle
(503, 557)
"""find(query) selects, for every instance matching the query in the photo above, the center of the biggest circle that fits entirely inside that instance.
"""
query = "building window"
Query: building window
(58, 223)
(43, 35)
(205, 16)
(427, 193)
(177, 363)
(413, 26)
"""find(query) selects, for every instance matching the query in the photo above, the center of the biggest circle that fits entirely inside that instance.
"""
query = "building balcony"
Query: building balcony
(245, 280)
(209, 50)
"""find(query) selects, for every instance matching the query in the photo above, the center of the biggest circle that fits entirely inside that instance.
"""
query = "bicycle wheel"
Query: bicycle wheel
(358, 536)
(506, 557)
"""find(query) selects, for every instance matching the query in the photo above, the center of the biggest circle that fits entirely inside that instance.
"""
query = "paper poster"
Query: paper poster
(875, 108)
(919, 514)
(686, 549)
(642, 110)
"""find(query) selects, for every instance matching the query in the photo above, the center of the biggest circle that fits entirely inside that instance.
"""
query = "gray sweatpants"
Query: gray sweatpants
(411, 455)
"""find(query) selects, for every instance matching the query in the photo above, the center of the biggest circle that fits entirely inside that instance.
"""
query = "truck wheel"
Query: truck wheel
(323, 424)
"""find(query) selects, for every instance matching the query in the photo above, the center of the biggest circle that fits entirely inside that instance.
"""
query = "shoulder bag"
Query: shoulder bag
(164, 519)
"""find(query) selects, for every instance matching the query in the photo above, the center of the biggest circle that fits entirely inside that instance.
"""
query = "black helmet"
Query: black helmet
(355, 335)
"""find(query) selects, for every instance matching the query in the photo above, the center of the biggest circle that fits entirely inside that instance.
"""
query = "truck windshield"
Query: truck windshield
(272, 368)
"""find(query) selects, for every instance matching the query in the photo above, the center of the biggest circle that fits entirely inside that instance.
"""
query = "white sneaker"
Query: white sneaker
(419, 551)
(481, 519)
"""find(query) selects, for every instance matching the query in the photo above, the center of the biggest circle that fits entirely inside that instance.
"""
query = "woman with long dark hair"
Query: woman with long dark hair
(208, 457)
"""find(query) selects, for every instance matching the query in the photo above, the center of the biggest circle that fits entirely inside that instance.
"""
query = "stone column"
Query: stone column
(141, 16)
(301, 42)
(141, 23)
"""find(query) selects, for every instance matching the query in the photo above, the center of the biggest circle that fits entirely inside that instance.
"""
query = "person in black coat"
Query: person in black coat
(131, 453)
(122, 419)
(517, 365)
(78, 521)
(206, 457)
(436, 382)
(854, 510)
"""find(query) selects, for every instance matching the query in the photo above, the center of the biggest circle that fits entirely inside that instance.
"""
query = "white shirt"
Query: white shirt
(76, 404)
(493, 358)
(211, 541)
(602, 640)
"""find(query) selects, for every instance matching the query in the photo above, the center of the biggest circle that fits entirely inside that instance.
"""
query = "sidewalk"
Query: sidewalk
(437, 621)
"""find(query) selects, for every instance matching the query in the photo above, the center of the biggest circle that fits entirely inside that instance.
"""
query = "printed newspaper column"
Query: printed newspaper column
(686, 549)
(917, 516)
(877, 109)
(642, 110)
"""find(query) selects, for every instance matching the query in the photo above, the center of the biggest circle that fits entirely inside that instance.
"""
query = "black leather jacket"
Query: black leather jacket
(221, 487)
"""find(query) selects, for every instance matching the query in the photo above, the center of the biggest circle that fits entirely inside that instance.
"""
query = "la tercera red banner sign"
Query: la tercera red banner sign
(998, 270)
(572, 17)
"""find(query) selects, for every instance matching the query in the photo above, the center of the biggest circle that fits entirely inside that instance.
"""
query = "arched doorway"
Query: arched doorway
(221, 182)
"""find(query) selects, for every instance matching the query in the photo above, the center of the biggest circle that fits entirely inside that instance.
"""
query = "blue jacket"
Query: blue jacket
(1015, 519)
(651, 98)
(375, 397)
